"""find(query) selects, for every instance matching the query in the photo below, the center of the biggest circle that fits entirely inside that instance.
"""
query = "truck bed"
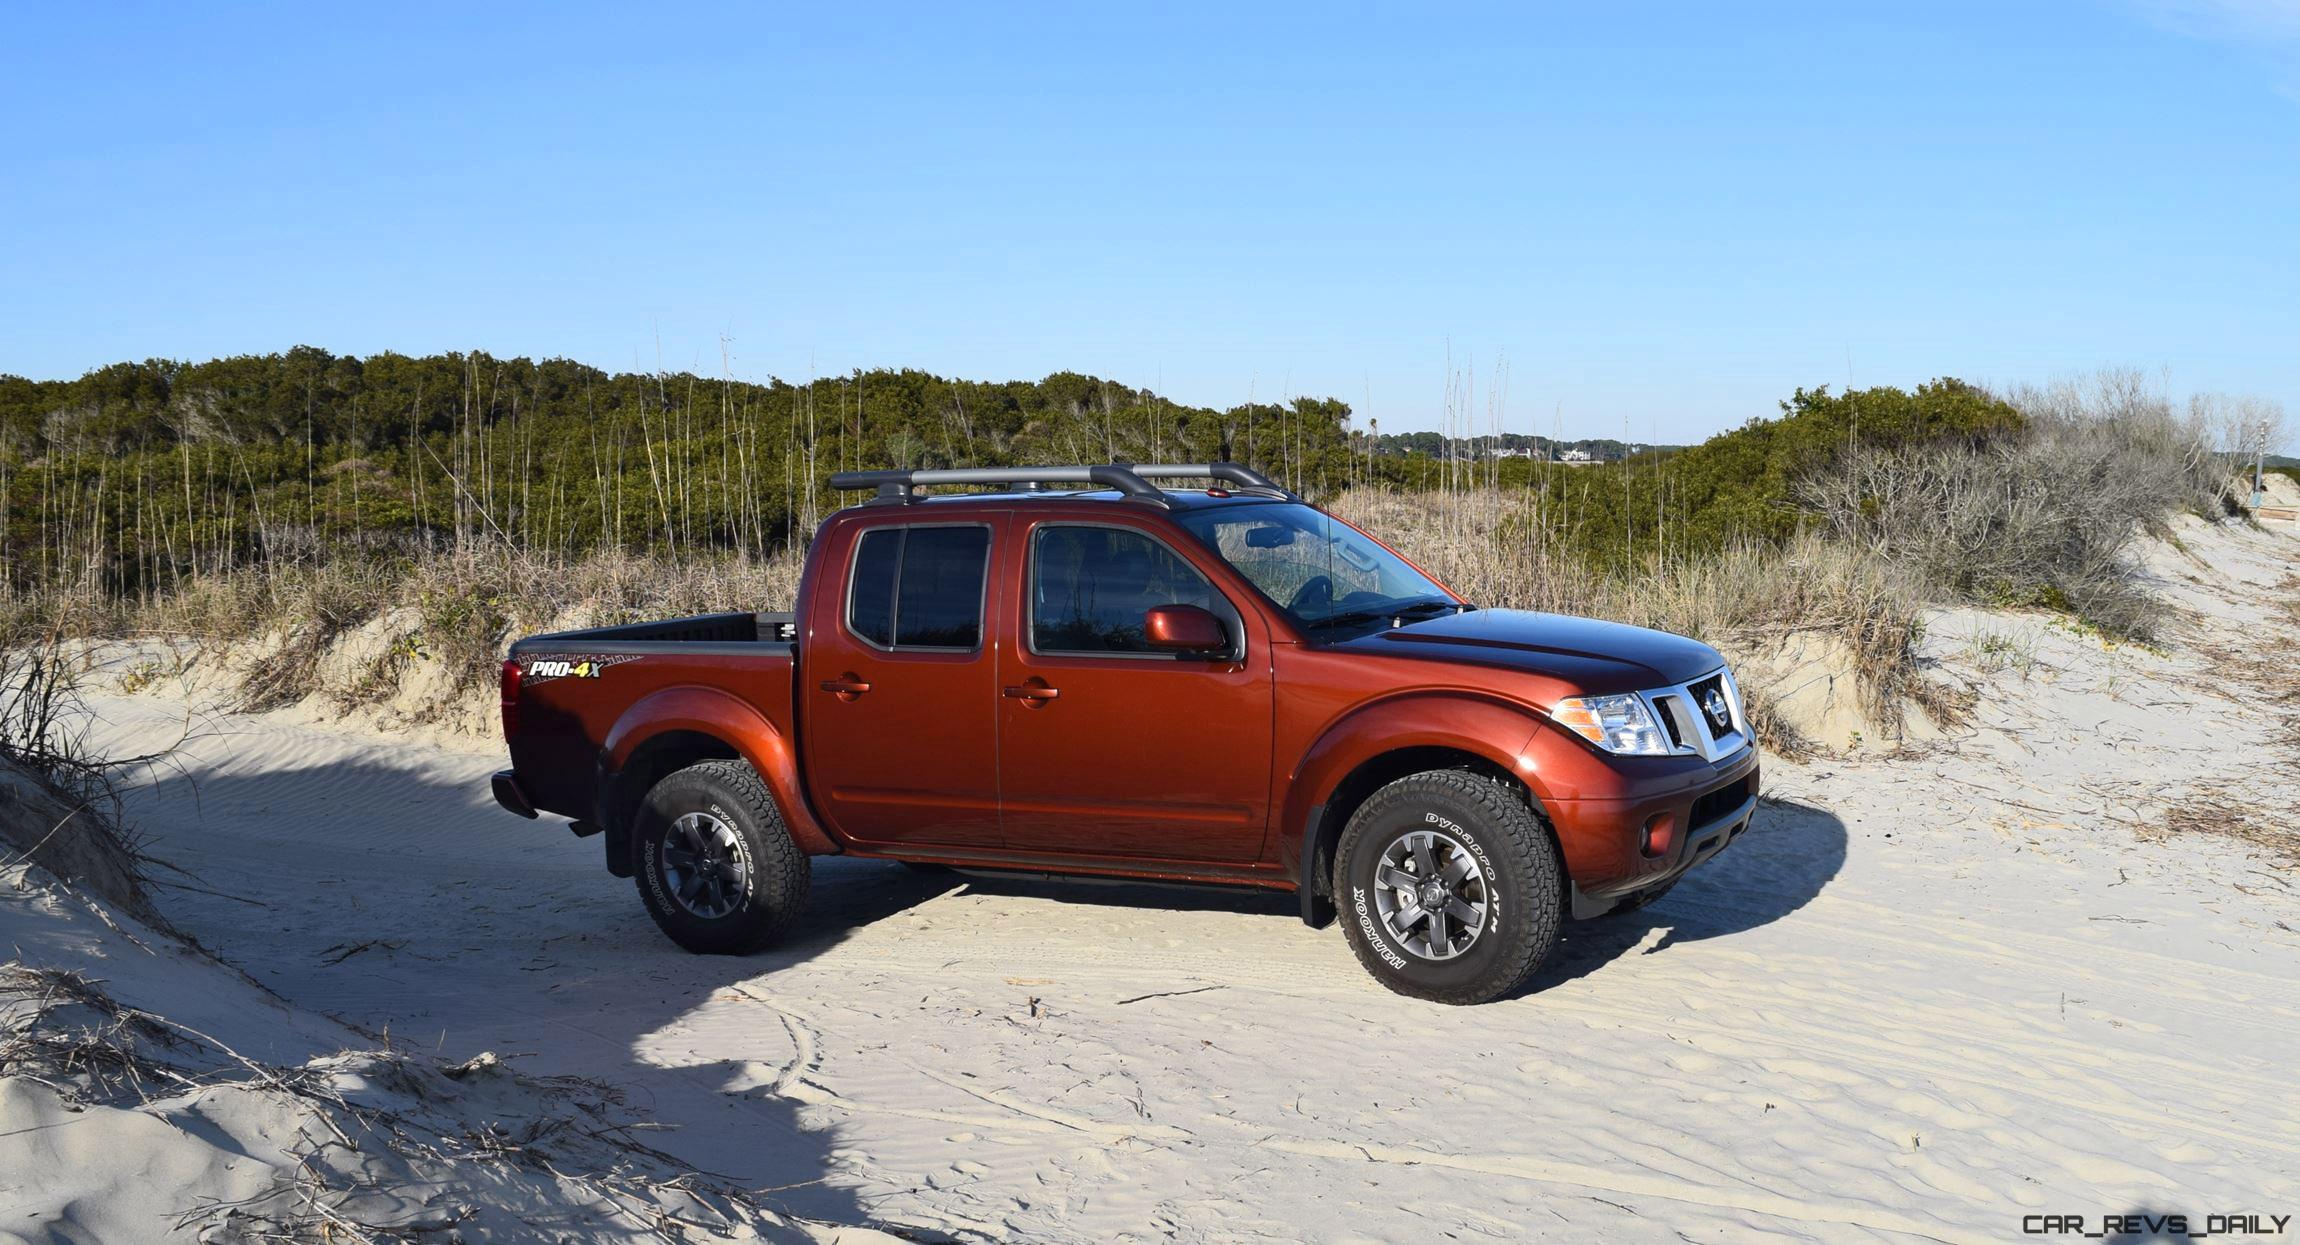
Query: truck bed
(575, 686)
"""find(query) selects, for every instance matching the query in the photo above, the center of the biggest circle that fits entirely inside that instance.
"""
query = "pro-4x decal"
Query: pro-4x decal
(573, 666)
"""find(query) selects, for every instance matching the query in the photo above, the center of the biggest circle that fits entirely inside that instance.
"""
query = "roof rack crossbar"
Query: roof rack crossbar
(902, 482)
(1133, 480)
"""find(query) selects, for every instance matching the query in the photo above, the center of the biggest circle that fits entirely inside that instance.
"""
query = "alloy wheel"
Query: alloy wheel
(1431, 894)
(703, 866)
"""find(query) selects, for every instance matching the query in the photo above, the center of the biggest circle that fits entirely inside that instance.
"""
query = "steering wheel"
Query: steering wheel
(1316, 593)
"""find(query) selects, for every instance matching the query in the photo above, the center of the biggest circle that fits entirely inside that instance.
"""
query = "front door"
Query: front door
(1108, 747)
(901, 690)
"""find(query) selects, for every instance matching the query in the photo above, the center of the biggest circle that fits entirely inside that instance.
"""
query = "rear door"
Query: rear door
(1106, 746)
(900, 686)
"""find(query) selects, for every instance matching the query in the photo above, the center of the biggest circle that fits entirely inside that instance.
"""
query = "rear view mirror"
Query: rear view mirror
(1185, 629)
(1355, 556)
(1271, 536)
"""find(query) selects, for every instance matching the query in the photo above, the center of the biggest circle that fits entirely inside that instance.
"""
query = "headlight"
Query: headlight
(1615, 723)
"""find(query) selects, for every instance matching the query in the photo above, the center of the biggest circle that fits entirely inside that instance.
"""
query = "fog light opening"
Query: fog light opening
(1660, 835)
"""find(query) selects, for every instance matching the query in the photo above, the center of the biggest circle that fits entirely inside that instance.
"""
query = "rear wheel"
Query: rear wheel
(1449, 887)
(717, 868)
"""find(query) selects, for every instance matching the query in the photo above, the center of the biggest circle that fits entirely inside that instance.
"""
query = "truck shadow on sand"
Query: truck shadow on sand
(401, 900)
(1788, 855)
(408, 905)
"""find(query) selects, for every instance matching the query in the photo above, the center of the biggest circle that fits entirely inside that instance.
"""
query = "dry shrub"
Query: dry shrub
(43, 726)
(309, 611)
(474, 606)
(2227, 815)
(59, 1028)
(59, 808)
(471, 605)
(1484, 546)
(2040, 518)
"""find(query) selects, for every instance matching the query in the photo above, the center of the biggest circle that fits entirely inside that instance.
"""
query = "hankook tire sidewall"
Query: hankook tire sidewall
(1503, 889)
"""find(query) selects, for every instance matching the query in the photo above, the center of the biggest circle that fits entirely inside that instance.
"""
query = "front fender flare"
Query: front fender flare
(735, 723)
(1495, 730)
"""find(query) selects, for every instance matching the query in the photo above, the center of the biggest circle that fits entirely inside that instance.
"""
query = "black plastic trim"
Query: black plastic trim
(1318, 910)
(510, 796)
(1702, 844)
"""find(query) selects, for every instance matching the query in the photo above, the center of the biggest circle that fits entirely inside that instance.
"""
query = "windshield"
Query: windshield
(1326, 575)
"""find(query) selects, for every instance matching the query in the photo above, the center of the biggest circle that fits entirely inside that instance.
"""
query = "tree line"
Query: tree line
(1505, 445)
(136, 476)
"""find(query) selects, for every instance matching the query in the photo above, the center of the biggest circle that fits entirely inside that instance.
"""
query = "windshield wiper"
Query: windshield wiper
(1350, 619)
(1416, 610)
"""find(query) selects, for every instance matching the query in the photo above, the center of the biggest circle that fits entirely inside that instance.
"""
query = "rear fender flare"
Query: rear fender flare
(728, 719)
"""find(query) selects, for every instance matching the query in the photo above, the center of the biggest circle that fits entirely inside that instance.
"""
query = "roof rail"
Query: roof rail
(898, 485)
(1232, 473)
(1133, 480)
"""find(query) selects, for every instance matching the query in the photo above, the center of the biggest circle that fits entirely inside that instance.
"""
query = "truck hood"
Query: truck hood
(1597, 657)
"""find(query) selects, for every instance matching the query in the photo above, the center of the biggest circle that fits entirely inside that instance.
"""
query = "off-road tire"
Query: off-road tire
(776, 871)
(1515, 853)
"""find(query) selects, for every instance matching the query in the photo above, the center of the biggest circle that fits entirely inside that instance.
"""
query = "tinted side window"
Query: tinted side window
(919, 587)
(870, 603)
(1091, 587)
(939, 604)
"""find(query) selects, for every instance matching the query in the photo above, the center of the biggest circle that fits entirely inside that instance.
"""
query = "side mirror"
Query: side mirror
(1185, 629)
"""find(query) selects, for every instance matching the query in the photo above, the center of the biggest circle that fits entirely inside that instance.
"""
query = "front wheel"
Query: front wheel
(1449, 887)
(717, 869)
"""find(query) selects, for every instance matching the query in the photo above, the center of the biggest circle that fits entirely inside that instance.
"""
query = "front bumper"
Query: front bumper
(1699, 845)
(509, 794)
(1696, 810)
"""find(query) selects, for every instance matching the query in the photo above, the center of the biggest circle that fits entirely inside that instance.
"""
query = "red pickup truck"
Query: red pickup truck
(1220, 684)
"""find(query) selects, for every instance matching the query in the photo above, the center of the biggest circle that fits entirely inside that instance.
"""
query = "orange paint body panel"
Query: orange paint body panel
(912, 760)
(1141, 756)
(1010, 740)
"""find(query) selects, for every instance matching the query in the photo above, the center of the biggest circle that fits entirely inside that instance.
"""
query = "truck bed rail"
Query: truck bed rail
(732, 628)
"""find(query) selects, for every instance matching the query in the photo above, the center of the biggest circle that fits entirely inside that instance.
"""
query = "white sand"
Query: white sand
(246, 1117)
(1926, 997)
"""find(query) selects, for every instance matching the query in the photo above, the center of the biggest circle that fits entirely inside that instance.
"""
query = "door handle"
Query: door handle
(1032, 692)
(846, 688)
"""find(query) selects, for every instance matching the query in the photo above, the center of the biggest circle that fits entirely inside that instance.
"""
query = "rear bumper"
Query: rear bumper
(509, 795)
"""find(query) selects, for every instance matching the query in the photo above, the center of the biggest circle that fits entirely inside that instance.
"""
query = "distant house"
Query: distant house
(1574, 456)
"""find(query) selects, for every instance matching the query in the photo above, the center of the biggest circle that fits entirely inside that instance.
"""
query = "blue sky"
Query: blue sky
(1662, 217)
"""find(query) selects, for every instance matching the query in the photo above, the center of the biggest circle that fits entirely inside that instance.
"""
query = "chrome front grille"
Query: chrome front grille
(1703, 717)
